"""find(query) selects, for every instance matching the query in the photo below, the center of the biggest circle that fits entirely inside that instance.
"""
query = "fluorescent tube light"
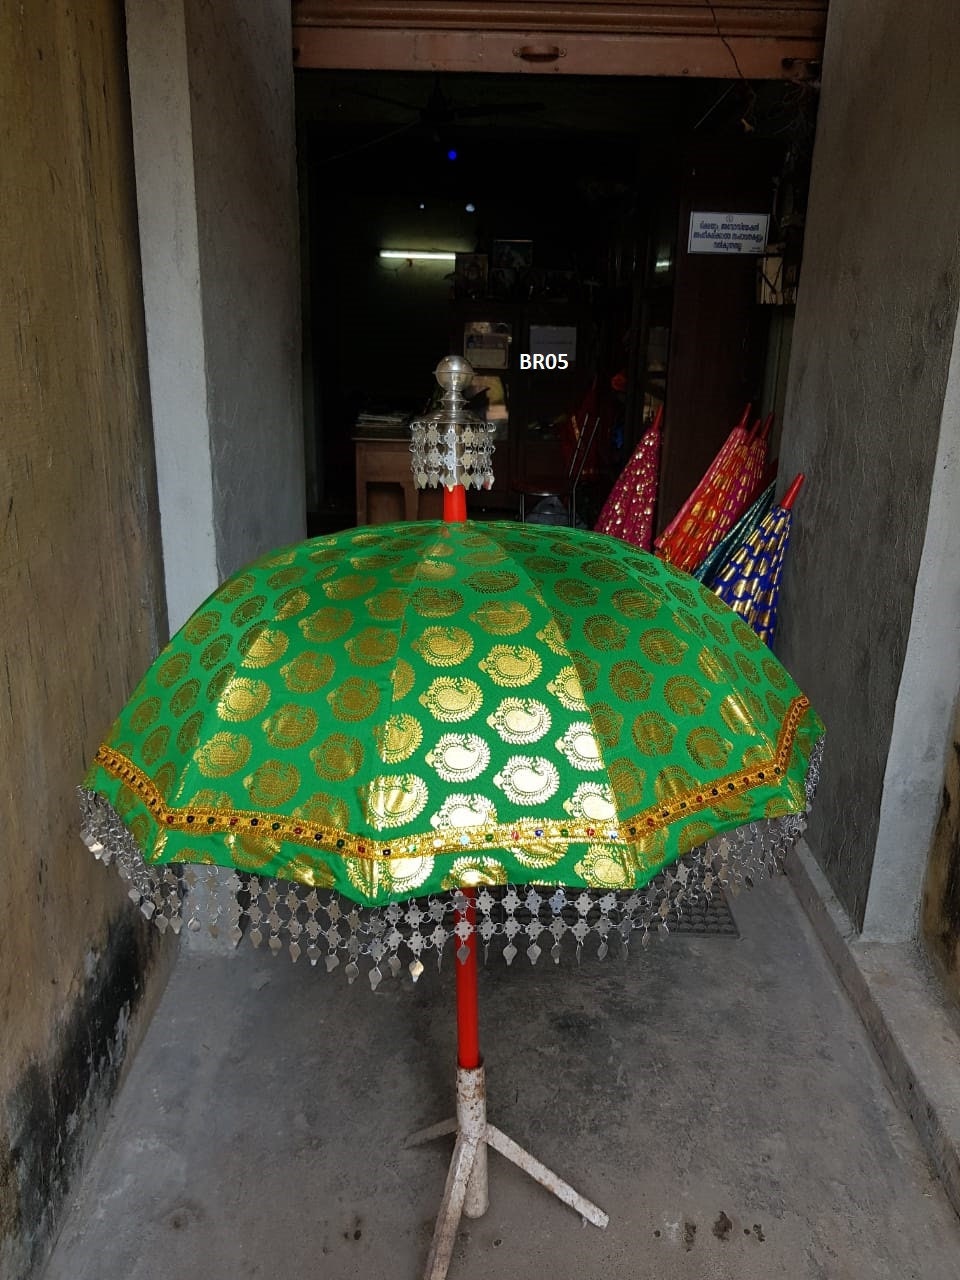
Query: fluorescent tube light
(419, 255)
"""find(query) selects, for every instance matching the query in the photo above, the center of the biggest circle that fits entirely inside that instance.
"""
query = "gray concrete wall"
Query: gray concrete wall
(212, 98)
(875, 326)
(80, 583)
(244, 155)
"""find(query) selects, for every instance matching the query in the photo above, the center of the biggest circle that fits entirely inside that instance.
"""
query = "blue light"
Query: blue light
(451, 154)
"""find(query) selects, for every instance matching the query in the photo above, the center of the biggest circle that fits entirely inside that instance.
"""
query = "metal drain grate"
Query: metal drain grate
(710, 916)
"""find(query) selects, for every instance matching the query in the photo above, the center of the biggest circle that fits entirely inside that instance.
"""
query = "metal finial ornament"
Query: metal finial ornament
(452, 446)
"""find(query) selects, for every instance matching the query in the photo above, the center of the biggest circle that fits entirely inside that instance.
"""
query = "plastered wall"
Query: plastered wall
(80, 614)
(941, 897)
(865, 405)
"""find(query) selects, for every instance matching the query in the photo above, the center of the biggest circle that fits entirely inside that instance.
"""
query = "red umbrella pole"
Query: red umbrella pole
(790, 496)
(454, 504)
(468, 1020)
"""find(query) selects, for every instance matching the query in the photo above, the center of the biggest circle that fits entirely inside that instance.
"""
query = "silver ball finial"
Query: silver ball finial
(454, 373)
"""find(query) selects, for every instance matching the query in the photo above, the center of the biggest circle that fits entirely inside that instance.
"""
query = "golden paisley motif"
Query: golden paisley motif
(501, 617)
(663, 647)
(716, 629)
(200, 626)
(604, 867)
(630, 681)
(493, 582)
(607, 723)
(215, 652)
(398, 738)
(694, 834)
(284, 577)
(327, 624)
(185, 697)
(575, 594)
(459, 757)
(680, 591)
(444, 646)
(580, 746)
(567, 689)
(775, 673)
(246, 612)
(671, 782)
(290, 725)
(452, 698)
(688, 622)
(540, 854)
(430, 569)
(252, 853)
(653, 734)
(218, 682)
(436, 602)
(459, 811)
(402, 678)
(520, 721)
(188, 735)
(353, 699)
(155, 744)
(512, 665)
(236, 588)
(223, 754)
(290, 604)
(349, 587)
(778, 708)
(387, 605)
(777, 807)
(272, 784)
(372, 646)
(165, 777)
(592, 802)
(338, 757)
(306, 868)
(587, 668)
(276, 559)
(607, 570)
(405, 875)
(267, 648)
(685, 697)
(308, 671)
(528, 779)
(144, 715)
(325, 810)
(553, 638)
(139, 827)
(469, 872)
(747, 668)
(605, 632)
(392, 801)
(210, 798)
(746, 635)
(637, 602)
(172, 670)
(243, 698)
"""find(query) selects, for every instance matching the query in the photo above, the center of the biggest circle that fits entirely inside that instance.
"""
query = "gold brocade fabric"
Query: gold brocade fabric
(406, 709)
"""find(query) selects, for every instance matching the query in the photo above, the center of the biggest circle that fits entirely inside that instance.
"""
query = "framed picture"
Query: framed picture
(470, 275)
(486, 343)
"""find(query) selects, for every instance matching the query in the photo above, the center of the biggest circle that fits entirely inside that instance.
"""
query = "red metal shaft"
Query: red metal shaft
(788, 499)
(468, 1016)
(455, 505)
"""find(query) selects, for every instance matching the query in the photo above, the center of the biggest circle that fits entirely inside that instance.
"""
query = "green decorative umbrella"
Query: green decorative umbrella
(407, 734)
(404, 710)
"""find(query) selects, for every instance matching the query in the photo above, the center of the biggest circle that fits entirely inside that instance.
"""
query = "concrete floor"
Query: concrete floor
(718, 1097)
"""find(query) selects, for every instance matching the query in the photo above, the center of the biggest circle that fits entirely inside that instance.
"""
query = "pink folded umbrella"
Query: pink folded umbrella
(628, 511)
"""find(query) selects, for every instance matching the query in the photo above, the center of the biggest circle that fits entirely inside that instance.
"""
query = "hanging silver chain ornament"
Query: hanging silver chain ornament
(452, 446)
(512, 921)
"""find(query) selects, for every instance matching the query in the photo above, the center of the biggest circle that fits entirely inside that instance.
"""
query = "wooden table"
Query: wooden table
(385, 487)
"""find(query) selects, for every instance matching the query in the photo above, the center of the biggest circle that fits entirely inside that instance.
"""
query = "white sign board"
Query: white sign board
(728, 233)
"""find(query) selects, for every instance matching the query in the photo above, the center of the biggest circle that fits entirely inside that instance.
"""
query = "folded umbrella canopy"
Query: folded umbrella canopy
(413, 733)
(708, 568)
(628, 511)
(728, 487)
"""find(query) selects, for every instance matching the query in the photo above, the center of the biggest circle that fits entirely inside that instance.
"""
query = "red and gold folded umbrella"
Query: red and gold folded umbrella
(628, 511)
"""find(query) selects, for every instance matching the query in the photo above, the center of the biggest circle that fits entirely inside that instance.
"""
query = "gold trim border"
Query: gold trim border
(453, 841)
